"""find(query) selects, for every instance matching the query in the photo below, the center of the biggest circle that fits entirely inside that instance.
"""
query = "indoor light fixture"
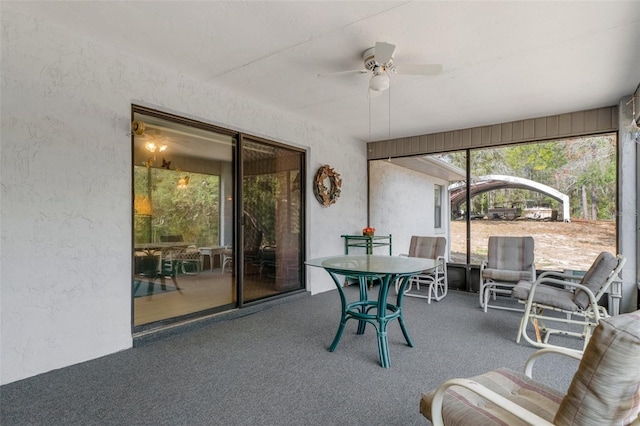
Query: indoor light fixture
(152, 147)
(379, 81)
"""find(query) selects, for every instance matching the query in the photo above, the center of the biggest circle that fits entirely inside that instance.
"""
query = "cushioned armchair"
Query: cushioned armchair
(509, 260)
(605, 389)
(433, 281)
(576, 303)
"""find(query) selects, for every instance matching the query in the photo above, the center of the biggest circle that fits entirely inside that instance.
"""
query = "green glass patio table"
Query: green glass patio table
(379, 312)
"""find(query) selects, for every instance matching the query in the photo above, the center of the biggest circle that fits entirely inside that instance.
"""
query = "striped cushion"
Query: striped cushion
(596, 277)
(427, 247)
(606, 388)
(463, 407)
(506, 275)
(511, 253)
(546, 295)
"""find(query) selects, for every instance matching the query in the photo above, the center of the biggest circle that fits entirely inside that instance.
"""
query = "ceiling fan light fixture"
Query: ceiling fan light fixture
(379, 82)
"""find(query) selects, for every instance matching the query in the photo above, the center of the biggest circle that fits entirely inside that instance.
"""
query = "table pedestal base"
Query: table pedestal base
(377, 312)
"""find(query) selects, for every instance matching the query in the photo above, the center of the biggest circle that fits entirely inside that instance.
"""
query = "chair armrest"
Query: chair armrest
(545, 280)
(559, 275)
(489, 395)
(528, 366)
(593, 302)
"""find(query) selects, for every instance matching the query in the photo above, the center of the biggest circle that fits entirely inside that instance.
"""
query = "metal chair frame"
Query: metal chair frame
(588, 318)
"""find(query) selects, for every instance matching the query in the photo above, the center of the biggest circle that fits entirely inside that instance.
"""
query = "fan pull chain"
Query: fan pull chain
(389, 137)
(369, 118)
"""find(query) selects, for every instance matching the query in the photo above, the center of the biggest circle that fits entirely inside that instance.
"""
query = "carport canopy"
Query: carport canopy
(458, 191)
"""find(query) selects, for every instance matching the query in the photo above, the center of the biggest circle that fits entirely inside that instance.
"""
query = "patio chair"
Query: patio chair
(509, 260)
(434, 281)
(605, 389)
(558, 292)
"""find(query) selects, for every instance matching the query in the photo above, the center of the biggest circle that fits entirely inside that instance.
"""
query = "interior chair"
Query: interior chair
(509, 260)
(433, 281)
(154, 267)
(605, 389)
(557, 298)
(226, 259)
(189, 260)
(267, 259)
(177, 238)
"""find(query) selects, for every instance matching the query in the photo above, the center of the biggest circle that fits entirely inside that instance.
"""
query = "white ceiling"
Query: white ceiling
(502, 61)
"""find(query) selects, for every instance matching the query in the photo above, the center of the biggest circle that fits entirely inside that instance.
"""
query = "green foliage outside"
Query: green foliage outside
(260, 195)
(190, 210)
(582, 168)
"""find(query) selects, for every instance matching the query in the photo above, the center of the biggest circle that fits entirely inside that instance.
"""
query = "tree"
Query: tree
(190, 209)
(567, 165)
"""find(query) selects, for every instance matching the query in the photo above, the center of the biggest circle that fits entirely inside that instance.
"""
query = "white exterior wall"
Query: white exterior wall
(401, 204)
(65, 261)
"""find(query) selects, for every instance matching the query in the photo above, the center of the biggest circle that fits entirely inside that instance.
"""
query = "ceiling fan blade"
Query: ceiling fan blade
(384, 52)
(332, 74)
(418, 69)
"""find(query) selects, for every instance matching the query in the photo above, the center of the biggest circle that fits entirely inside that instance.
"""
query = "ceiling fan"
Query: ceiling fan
(379, 62)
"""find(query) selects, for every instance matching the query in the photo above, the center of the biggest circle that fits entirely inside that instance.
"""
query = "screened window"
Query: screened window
(563, 193)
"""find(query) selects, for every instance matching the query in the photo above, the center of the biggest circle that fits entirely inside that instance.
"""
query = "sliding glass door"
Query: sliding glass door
(193, 253)
(183, 219)
(272, 220)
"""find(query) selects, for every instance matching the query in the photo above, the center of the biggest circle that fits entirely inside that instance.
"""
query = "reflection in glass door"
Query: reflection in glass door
(182, 219)
(272, 222)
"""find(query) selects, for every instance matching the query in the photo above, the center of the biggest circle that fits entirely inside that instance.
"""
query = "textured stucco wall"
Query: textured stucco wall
(401, 203)
(65, 259)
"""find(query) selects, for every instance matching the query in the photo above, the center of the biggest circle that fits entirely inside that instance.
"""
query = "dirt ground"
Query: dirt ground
(558, 245)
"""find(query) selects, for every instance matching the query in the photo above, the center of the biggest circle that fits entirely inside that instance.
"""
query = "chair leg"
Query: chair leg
(439, 286)
(480, 294)
(445, 289)
(136, 285)
(487, 295)
(163, 282)
(522, 328)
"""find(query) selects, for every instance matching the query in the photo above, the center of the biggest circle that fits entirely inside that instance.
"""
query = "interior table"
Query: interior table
(379, 312)
(211, 252)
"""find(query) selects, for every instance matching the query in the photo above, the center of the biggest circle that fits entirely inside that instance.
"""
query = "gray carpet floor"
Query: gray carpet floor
(273, 368)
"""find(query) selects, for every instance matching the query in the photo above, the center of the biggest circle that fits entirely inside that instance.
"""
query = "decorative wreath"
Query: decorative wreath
(327, 196)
